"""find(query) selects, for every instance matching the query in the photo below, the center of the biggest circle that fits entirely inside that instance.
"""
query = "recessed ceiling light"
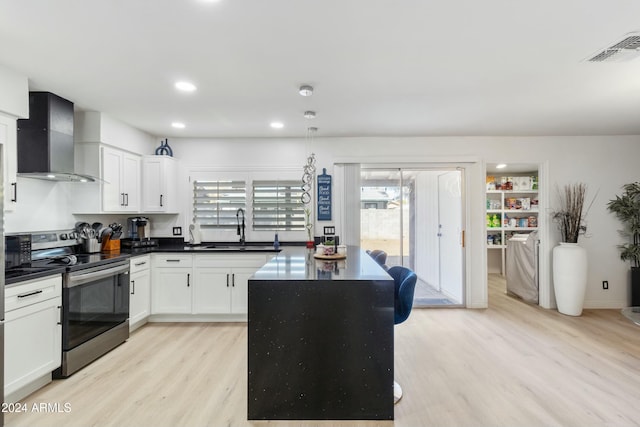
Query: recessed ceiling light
(185, 86)
(178, 125)
(305, 90)
(277, 125)
(501, 166)
(309, 114)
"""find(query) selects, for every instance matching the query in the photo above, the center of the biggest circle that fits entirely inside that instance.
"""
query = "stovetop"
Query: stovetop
(74, 262)
(56, 252)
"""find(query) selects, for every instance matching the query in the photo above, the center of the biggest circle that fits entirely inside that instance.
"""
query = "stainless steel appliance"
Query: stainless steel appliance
(95, 297)
(139, 233)
(45, 140)
(17, 251)
(95, 314)
(139, 228)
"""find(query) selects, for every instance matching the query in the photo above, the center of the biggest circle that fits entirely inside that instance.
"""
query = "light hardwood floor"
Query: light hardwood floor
(510, 365)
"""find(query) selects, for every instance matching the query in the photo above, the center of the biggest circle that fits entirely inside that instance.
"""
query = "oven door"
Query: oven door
(94, 300)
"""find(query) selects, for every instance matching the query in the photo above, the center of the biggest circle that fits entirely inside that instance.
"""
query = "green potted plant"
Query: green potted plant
(627, 209)
(569, 259)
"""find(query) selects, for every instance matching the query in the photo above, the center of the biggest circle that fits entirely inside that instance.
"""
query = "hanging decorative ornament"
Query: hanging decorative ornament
(309, 171)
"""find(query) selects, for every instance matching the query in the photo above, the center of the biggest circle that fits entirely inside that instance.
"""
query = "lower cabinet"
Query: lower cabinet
(221, 285)
(203, 284)
(140, 291)
(171, 283)
(32, 335)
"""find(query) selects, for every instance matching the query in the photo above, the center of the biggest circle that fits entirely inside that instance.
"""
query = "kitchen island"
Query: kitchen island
(320, 338)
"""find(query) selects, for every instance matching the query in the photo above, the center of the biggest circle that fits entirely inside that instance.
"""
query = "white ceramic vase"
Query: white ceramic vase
(570, 277)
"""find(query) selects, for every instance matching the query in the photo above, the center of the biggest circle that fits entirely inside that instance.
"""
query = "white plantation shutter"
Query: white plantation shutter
(215, 203)
(277, 205)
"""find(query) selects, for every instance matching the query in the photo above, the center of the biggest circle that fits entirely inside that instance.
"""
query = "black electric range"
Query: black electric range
(58, 251)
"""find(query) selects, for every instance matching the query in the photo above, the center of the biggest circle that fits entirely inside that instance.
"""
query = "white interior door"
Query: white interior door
(450, 233)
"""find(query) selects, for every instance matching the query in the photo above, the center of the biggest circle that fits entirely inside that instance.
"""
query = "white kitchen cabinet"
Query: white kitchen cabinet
(221, 282)
(119, 173)
(33, 335)
(8, 139)
(140, 291)
(159, 184)
(212, 291)
(171, 283)
(203, 284)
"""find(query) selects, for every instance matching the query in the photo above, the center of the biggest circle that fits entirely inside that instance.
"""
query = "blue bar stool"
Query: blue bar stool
(405, 284)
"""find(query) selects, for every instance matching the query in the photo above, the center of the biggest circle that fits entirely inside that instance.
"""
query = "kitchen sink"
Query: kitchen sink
(230, 248)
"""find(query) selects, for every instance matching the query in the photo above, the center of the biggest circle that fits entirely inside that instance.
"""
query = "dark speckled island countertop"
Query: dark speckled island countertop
(320, 338)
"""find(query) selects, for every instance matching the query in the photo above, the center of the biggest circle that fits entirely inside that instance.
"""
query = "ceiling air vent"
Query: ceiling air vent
(625, 50)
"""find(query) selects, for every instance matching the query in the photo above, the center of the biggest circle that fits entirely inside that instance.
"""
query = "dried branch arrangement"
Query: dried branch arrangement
(571, 213)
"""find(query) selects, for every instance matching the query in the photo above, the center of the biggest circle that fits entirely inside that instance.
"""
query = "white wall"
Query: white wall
(44, 205)
(604, 163)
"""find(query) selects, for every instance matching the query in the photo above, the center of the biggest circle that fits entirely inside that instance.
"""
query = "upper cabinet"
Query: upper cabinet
(108, 149)
(159, 186)
(9, 158)
(14, 104)
(119, 173)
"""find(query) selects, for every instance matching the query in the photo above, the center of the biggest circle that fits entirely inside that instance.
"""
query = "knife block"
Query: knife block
(109, 245)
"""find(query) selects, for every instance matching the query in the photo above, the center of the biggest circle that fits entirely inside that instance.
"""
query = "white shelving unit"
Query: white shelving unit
(510, 211)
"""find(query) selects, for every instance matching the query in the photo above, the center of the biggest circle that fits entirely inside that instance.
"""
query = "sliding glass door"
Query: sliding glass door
(415, 216)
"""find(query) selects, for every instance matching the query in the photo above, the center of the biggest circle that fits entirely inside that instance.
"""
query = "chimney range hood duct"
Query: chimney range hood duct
(45, 140)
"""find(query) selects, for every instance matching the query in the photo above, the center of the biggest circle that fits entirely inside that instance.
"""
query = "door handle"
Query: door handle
(15, 192)
(188, 279)
(133, 287)
(122, 201)
(59, 315)
(233, 279)
(161, 200)
(227, 280)
(127, 199)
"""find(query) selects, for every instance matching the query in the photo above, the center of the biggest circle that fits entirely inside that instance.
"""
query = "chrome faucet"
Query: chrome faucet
(240, 231)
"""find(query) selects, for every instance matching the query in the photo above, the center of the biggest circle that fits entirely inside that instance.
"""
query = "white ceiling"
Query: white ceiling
(379, 67)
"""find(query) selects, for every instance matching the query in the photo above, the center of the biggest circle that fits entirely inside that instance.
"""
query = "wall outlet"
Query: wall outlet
(605, 284)
(177, 231)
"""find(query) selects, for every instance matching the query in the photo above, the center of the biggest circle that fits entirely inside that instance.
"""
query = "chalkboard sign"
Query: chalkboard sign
(324, 196)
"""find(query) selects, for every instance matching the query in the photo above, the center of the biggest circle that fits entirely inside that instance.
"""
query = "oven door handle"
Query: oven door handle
(82, 278)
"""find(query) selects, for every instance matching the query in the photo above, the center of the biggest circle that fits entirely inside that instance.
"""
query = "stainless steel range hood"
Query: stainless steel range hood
(45, 140)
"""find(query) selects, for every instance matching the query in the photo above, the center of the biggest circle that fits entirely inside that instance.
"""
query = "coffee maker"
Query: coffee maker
(138, 228)
(139, 232)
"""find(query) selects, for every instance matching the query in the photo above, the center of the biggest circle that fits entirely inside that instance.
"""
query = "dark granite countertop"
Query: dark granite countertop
(167, 245)
(298, 263)
(176, 245)
(18, 275)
